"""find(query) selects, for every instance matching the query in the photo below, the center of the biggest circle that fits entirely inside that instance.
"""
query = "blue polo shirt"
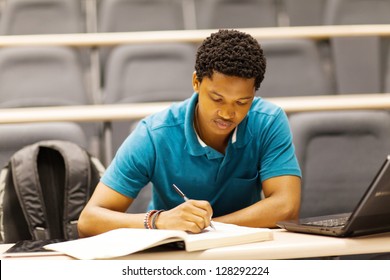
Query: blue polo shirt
(164, 149)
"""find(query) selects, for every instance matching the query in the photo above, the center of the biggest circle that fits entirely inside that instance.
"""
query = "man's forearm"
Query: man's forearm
(264, 213)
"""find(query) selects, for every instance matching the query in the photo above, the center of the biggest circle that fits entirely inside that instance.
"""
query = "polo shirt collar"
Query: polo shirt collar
(195, 146)
(192, 146)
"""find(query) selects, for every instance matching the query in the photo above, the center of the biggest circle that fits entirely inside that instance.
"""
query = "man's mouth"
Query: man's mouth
(223, 124)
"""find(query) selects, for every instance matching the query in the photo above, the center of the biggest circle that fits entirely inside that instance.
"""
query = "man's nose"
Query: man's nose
(226, 112)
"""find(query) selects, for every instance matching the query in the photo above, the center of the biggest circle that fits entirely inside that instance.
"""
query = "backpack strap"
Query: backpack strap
(3, 176)
(77, 183)
(29, 190)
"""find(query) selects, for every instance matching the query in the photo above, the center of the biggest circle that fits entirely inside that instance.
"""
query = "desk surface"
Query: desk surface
(286, 245)
(116, 112)
(190, 36)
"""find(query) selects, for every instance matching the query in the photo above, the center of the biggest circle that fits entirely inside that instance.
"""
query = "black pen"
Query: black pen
(176, 188)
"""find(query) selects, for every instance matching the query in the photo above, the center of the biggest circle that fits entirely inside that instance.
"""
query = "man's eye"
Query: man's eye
(241, 103)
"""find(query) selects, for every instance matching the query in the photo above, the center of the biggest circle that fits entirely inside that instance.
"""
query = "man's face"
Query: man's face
(223, 102)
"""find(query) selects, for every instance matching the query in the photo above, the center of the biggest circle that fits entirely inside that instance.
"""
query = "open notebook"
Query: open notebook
(125, 241)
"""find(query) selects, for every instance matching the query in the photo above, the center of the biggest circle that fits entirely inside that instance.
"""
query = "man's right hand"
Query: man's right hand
(192, 216)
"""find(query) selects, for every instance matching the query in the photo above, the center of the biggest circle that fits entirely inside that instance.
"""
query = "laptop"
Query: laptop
(371, 215)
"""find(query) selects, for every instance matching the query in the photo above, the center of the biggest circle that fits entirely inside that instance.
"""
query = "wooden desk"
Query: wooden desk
(286, 245)
(191, 36)
(117, 112)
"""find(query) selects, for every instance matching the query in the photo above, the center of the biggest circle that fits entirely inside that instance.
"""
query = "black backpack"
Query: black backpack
(44, 188)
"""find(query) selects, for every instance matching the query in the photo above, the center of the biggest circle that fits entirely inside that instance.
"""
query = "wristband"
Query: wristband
(148, 214)
(154, 218)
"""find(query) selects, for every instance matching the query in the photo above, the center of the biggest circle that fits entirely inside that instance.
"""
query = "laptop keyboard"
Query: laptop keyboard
(338, 222)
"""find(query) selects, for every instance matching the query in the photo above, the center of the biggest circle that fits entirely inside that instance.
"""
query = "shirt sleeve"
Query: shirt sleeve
(133, 164)
(278, 153)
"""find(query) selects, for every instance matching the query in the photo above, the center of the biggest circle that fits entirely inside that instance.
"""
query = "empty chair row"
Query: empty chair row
(49, 76)
(366, 57)
(295, 67)
(337, 12)
(72, 16)
(75, 16)
(46, 76)
(28, 17)
(144, 73)
(339, 153)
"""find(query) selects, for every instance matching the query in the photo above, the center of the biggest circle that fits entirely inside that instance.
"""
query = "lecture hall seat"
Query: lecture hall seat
(42, 17)
(45, 76)
(359, 61)
(304, 12)
(295, 67)
(16, 136)
(147, 73)
(49, 75)
(138, 15)
(339, 153)
(211, 14)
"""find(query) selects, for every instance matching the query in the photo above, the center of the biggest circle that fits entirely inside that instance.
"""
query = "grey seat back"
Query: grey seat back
(357, 12)
(16, 136)
(24, 17)
(339, 153)
(45, 76)
(42, 17)
(305, 13)
(41, 76)
(138, 15)
(149, 72)
(212, 14)
(294, 68)
(357, 73)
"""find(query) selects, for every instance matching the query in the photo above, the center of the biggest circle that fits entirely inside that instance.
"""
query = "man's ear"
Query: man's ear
(195, 82)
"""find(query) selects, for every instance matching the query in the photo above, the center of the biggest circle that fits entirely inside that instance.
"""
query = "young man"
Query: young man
(222, 147)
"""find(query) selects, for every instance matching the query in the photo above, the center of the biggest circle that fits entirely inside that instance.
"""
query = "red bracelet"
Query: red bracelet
(154, 218)
(148, 214)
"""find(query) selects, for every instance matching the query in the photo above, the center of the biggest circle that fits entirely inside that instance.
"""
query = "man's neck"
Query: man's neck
(215, 141)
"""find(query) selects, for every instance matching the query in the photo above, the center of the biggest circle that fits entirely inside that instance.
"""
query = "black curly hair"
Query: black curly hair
(232, 53)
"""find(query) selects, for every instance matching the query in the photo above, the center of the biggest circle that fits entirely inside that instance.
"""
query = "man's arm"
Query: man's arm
(281, 202)
(106, 211)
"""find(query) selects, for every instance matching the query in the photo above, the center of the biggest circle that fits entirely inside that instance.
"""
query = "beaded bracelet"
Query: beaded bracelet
(148, 214)
(154, 218)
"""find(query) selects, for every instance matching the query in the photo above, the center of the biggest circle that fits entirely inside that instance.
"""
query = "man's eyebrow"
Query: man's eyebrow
(216, 93)
(245, 98)
(219, 95)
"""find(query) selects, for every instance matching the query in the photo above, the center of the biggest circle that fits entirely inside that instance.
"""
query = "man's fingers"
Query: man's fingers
(202, 208)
